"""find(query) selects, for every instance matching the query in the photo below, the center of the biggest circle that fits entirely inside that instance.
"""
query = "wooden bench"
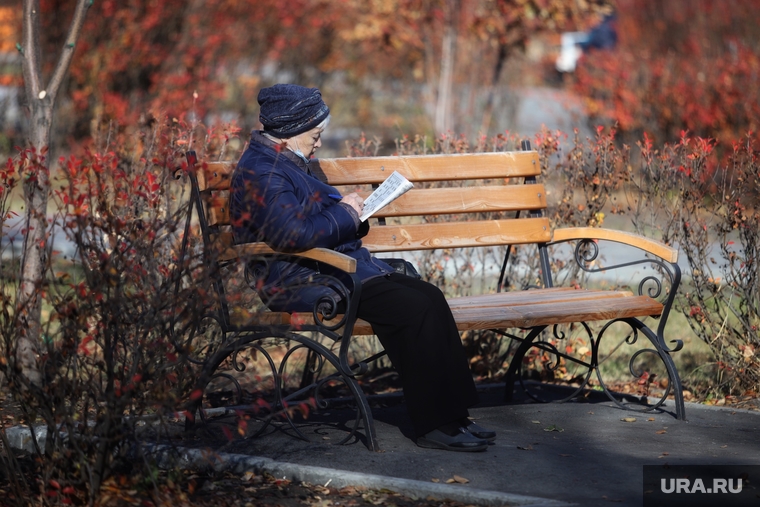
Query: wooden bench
(489, 200)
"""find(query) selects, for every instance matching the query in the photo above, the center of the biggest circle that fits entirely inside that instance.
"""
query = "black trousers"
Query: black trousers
(415, 326)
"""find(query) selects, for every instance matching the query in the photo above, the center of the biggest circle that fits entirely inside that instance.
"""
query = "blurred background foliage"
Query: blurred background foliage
(679, 65)
(390, 66)
(394, 67)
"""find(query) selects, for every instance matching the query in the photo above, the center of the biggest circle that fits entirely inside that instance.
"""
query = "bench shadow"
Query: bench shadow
(334, 424)
(492, 395)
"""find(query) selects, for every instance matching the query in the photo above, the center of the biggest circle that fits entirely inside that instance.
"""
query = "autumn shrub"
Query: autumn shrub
(117, 312)
(707, 205)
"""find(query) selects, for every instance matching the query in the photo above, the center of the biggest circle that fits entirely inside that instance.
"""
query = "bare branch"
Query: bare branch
(68, 48)
(30, 49)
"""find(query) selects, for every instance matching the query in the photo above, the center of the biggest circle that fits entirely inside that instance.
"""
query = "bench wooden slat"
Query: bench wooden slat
(562, 312)
(367, 170)
(427, 236)
(480, 199)
(215, 176)
(244, 317)
(427, 201)
(538, 307)
(535, 296)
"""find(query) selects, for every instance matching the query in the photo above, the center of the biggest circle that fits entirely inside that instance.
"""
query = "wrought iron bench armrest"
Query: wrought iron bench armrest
(325, 310)
(666, 258)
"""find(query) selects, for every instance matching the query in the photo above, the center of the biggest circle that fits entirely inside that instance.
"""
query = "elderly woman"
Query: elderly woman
(276, 199)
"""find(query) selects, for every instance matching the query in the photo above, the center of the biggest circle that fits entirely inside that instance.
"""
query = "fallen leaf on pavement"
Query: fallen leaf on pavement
(628, 419)
(660, 432)
(375, 500)
(554, 427)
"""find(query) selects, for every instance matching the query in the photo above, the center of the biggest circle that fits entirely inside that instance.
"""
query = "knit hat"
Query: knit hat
(288, 110)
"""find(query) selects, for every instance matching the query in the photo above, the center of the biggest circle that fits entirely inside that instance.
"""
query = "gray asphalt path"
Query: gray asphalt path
(588, 453)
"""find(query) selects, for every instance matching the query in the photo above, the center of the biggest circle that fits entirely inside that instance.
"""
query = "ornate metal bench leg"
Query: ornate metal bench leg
(316, 355)
(674, 382)
(677, 387)
(366, 413)
(307, 377)
(670, 366)
(191, 414)
(514, 366)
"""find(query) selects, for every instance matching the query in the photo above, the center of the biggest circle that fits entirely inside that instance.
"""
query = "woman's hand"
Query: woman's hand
(355, 201)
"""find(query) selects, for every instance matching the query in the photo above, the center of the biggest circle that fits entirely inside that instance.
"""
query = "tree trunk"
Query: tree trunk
(445, 83)
(501, 57)
(41, 103)
(34, 257)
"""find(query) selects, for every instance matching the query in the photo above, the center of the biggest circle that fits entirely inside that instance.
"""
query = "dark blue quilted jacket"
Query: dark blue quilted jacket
(275, 199)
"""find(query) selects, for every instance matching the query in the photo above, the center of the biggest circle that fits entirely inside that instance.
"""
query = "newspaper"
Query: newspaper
(391, 189)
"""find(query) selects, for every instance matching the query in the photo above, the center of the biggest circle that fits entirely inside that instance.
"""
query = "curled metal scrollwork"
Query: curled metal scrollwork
(557, 362)
(552, 350)
(652, 292)
(638, 373)
(284, 397)
(323, 356)
(198, 346)
(631, 338)
(642, 376)
(325, 308)
(587, 251)
(643, 404)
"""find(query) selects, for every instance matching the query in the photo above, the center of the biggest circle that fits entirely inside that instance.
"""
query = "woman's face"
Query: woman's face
(308, 142)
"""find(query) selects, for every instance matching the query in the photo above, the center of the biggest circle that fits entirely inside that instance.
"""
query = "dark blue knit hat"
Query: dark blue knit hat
(288, 110)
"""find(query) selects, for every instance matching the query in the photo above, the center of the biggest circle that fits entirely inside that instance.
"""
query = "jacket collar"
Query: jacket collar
(258, 137)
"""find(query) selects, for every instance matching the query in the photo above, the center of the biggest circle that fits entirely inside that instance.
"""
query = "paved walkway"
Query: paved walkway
(585, 453)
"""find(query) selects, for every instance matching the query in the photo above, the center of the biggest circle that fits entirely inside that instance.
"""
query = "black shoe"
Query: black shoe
(479, 431)
(462, 441)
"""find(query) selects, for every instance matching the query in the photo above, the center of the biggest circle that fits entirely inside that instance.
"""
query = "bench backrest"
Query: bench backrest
(481, 193)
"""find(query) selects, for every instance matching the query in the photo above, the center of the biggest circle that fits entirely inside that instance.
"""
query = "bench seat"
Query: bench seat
(521, 309)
